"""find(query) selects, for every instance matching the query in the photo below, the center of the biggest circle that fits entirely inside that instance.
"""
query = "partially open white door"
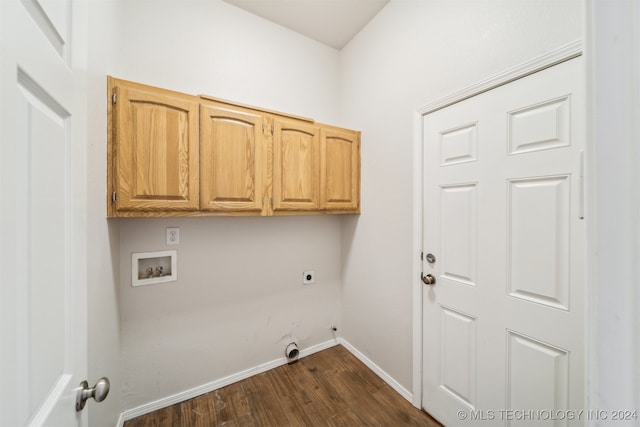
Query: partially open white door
(504, 323)
(42, 220)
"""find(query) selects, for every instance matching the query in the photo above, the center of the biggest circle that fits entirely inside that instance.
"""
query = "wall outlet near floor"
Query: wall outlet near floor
(308, 277)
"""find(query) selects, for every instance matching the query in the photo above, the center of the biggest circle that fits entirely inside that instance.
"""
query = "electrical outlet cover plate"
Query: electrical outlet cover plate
(308, 277)
(173, 235)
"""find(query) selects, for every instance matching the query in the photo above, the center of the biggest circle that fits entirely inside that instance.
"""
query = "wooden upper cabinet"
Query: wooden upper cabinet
(172, 154)
(232, 159)
(296, 165)
(155, 161)
(339, 169)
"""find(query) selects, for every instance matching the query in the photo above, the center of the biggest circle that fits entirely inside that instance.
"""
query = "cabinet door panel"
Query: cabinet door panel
(340, 169)
(232, 158)
(157, 150)
(296, 147)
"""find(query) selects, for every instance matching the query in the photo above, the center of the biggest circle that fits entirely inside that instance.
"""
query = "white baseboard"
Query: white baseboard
(375, 368)
(239, 376)
(214, 385)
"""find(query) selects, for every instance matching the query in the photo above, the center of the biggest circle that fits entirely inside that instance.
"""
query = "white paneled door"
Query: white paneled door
(42, 220)
(504, 322)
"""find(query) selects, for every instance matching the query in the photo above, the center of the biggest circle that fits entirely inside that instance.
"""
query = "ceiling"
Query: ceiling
(331, 22)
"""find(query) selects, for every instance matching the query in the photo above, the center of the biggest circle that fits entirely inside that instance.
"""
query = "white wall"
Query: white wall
(213, 48)
(411, 53)
(238, 301)
(239, 298)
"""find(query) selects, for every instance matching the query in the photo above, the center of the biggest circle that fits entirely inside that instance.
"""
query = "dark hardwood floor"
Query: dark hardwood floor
(329, 388)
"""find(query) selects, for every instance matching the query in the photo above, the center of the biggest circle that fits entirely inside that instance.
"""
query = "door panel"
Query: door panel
(459, 232)
(53, 20)
(232, 153)
(540, 127)
(157, 150)
(339, 169)
(296, 152)
(459, 356)
(42, 220)
(45, 127)
(537, 375)
(459, 145)
(536, 240)
(504, 323)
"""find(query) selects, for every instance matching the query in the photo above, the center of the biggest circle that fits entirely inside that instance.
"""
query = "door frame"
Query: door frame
(554, 57)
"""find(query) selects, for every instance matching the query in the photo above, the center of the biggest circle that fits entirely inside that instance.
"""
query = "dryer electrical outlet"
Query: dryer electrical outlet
(308, 277)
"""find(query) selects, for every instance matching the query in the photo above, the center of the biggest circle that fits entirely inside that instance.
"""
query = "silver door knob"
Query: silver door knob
(98, 392)
(429, 279)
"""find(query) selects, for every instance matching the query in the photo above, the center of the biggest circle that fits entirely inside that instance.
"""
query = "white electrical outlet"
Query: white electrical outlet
(308, 277)
(173, 235)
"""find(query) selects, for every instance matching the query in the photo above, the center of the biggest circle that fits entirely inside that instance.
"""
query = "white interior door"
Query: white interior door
(504, 323)
(42, 220)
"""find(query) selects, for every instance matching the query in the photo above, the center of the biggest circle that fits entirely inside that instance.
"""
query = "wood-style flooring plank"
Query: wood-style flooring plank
(196, 412)
(328, 388)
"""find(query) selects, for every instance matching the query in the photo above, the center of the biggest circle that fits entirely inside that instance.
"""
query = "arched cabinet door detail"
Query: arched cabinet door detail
(172, 154)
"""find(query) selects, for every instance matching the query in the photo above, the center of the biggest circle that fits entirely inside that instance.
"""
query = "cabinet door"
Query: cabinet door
(155, 148)
(339, 170)
(232, 159)
(296, 149)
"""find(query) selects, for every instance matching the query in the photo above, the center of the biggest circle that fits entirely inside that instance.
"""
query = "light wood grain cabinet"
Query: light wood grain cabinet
(232, 159)
(296, 165)
(154, 163)
(339, 169)
(171, 154)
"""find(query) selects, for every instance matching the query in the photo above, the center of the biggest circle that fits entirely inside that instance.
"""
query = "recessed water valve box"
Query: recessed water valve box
(148, 268)
(308, 277)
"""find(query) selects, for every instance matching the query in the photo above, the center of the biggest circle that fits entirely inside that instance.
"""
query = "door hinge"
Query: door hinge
(421, 256)
(272, 128)
(113, 98)
(114, 197)
(271, 202)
